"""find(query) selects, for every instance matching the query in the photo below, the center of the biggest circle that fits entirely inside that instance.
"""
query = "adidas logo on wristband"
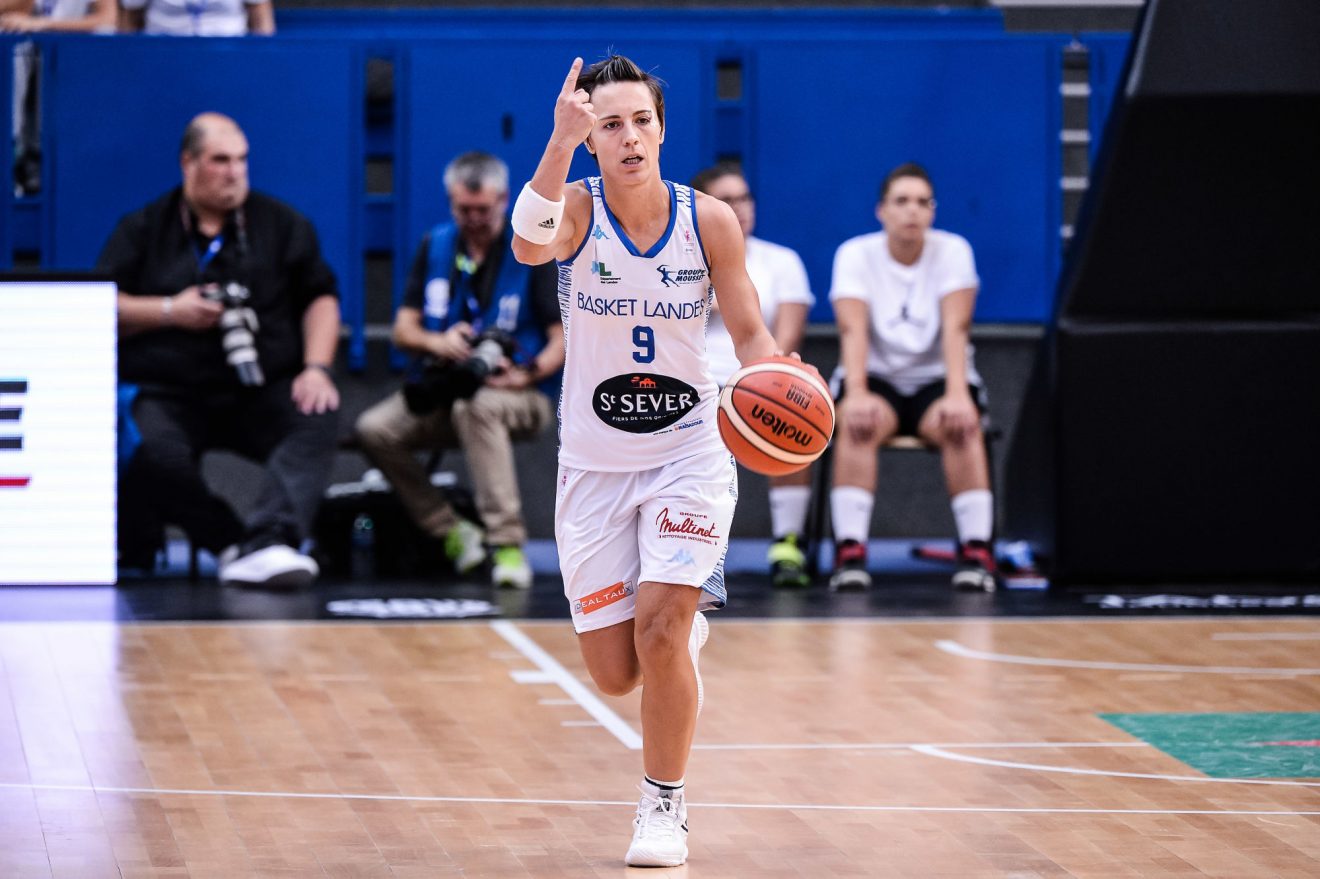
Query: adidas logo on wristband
(547, 224)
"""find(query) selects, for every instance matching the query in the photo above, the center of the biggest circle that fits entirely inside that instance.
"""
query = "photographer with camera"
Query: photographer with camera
(489, 346)
(228, 323)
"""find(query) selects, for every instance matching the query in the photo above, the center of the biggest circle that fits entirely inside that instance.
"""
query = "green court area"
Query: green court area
(1261, 745)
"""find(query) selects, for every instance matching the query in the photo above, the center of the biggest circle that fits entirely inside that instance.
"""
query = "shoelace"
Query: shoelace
(657, 816)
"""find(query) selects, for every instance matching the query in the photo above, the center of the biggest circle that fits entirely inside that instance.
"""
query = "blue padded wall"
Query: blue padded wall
(117, 107)
(981, 115)
(829, 100)
(452, 102)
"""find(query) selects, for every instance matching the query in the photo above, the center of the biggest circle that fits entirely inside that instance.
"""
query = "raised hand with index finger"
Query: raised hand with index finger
(574, 116)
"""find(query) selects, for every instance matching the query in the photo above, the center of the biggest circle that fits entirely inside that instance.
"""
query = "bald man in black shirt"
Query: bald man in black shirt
(228, 322)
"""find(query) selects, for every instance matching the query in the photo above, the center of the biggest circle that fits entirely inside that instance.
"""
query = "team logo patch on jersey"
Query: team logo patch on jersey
(604, 275)
(599, 233)
(604, 597)
(675, 277)
(641, 402)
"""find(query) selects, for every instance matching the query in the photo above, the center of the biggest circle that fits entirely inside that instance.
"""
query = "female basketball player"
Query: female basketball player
(646, 487)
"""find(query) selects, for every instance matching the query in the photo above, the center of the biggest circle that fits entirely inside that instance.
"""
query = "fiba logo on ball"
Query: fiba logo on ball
(776, 416)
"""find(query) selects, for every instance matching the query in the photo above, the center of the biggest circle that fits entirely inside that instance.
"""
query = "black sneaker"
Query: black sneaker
(977, 571)
(850, 572)
(788, 564)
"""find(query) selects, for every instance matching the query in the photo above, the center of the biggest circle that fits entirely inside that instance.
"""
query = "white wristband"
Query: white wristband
(537, 219)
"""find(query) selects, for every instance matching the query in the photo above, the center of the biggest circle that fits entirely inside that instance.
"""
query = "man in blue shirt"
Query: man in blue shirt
(464, 288)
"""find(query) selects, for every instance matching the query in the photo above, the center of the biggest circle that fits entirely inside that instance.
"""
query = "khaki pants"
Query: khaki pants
(484, 427)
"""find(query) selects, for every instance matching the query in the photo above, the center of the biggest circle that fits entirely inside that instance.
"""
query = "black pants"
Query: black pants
(163, 484)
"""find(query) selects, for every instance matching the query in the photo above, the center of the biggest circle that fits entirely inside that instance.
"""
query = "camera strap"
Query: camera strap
(461, 277)
(205, 257)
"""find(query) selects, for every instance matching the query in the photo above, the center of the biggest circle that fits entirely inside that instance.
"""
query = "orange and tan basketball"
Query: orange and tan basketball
(776, 415)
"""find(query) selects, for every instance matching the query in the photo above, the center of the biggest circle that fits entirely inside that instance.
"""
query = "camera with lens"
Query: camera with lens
(238, 328)
(440, 383)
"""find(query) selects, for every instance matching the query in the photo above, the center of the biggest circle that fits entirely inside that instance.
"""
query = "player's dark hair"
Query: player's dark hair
(907, 169)
(702, 180)
(617, 68)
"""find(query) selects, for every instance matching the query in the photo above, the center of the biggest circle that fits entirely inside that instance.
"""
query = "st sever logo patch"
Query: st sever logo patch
(641, 402)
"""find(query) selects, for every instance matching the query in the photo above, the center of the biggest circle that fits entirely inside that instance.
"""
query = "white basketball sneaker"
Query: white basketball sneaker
(659, 831)
(271, 567)
(696, 640)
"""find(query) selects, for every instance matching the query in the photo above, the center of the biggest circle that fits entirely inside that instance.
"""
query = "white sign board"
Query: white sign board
(57, 432)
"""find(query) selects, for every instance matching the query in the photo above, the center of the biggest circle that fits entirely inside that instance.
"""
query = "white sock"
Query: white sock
(850, 511)
(974, 511)
(788, 509)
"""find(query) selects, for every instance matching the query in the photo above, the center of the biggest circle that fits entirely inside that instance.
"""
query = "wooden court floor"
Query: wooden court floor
(949, 748)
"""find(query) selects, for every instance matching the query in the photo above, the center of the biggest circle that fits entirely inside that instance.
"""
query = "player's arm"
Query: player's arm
(794, 302)
(790, 325)
(859, 413)
(739, 304)
(957, 412)
(547, 213)
(261, 19)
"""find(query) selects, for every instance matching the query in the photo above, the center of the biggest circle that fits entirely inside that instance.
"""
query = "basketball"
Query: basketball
(776, 416)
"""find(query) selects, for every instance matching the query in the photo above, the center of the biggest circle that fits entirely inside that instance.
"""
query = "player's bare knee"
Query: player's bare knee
(617, 680)
(661, 637)
(968, 439)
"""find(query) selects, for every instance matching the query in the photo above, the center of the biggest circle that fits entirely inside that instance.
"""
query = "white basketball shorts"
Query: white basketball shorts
(665, 525)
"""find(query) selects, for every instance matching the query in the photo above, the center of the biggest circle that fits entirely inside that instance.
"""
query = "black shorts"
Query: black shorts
(911, 408)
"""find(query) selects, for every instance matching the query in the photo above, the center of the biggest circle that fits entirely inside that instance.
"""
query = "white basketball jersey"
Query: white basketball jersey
(637, 391)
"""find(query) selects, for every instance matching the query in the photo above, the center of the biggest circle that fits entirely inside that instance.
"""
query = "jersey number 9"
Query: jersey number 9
(644, 339)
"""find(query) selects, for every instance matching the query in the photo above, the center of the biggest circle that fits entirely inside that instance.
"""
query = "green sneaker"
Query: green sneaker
(788, 564)
(511, 568)
(463, 546)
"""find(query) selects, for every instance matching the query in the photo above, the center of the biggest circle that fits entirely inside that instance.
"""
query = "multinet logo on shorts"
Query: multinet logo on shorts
(687, 527)
(605, 597)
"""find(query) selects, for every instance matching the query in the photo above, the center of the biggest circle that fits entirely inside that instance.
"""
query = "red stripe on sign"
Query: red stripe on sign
(14, 481)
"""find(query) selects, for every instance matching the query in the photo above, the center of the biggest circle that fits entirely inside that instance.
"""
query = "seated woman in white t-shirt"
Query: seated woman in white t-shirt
(781, 282)
(904, 299)
(191, 18)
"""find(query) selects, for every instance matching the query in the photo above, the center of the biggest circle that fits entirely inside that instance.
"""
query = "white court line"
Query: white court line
(932, 751)
(513, 801)
(554, 673)
(967, 652)
(1265, 636)
(905, 746)
(850, 622)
